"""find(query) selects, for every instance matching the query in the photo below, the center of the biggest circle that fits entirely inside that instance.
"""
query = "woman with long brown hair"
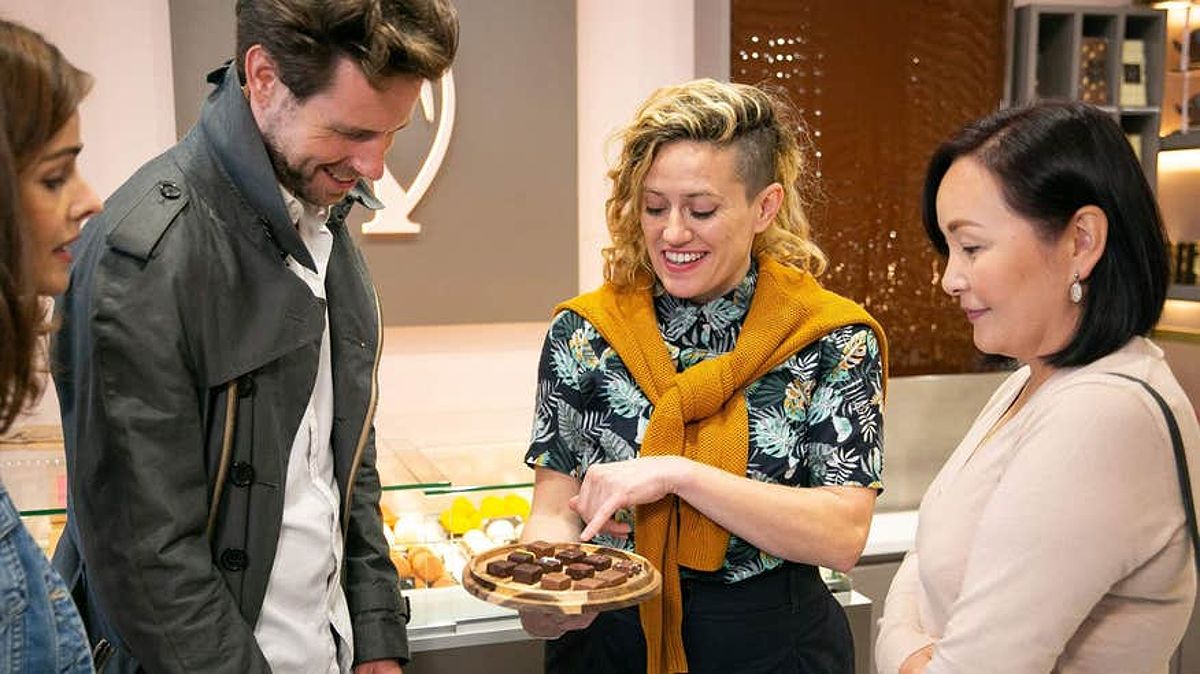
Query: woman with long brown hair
(43, 202)
(19, 308)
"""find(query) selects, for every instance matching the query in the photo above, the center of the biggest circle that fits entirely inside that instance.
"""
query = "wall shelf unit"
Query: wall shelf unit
(1109, 56)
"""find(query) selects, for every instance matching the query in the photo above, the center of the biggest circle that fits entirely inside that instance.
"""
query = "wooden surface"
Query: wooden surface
(32, 437)
(510, 593)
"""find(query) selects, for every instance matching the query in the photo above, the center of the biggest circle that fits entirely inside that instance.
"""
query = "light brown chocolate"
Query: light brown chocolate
(611, 577)
(556, 581)
(540, 548)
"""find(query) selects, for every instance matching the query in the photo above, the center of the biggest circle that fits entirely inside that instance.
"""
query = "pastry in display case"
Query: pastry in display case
(443, 505)
(432, 538)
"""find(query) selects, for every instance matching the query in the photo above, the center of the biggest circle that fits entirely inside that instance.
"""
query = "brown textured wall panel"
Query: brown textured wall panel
(880, 83)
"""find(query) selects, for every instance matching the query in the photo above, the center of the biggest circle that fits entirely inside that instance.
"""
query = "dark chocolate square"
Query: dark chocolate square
(549, 564)
(501, 568)
(599, 562)
(570, 555)
(520, 556)
(579, 570)
(527, 573)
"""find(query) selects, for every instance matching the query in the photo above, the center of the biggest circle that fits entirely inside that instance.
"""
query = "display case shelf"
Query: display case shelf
(1180, 141)
(466, 489)
(34, 469)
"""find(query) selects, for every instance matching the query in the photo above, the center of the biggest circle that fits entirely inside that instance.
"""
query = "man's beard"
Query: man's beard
(292, 178)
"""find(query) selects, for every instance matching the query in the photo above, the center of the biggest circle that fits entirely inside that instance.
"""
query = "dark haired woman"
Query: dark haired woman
(1054, 538)
(43, 201)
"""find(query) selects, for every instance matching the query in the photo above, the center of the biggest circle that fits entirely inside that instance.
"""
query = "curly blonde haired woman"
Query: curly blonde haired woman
(711, 406)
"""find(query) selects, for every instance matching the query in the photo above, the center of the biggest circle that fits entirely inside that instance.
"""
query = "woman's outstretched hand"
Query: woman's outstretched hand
(609, 487)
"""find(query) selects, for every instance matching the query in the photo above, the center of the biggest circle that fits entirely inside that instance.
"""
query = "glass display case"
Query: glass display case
(441, 504)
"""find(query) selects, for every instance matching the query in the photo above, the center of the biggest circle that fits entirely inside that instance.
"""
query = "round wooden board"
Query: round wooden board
(510, 593)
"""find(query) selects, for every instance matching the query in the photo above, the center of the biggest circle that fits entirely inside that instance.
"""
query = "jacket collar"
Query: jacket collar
(234, 136)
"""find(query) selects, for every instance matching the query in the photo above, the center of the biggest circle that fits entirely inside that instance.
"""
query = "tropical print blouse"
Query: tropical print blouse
(814, 420)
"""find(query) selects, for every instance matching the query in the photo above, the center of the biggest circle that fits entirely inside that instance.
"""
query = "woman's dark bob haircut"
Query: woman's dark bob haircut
(1051, 159)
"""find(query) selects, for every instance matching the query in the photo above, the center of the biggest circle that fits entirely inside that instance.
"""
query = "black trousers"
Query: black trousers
(784, 621)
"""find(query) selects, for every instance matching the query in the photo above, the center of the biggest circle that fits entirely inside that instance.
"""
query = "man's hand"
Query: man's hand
(378, 667)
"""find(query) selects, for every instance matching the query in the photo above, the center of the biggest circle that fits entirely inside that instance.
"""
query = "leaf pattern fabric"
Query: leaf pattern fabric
(815, 420)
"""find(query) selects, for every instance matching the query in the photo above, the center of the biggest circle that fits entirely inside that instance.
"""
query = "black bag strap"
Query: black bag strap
(1181, 465)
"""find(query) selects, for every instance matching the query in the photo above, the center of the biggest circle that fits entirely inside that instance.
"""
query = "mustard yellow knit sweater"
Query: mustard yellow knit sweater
(700, 414)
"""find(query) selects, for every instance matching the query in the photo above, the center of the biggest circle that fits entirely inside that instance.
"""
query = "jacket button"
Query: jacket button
(246, 386)
(241, 474)
(169, 190)
(233, 559)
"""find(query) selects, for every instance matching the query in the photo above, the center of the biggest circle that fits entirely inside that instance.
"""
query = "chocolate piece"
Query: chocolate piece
(501, 568)
(556, 581)
(570, 555)
(589, 584)
(578, 570)
(600, 562)
(550, 564)
(527, 573)
(611, 577)
(520, 557)
(631, 568)
(540, 548)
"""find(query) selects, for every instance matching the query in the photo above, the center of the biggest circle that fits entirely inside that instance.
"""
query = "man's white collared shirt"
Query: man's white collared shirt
(304, 625)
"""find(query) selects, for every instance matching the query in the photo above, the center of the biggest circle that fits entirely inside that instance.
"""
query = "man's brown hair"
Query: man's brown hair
(306, 38)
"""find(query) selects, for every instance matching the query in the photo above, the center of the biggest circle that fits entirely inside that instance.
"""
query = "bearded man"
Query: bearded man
(217, 367)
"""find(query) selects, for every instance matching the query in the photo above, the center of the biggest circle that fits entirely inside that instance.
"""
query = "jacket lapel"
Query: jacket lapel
(234, 137)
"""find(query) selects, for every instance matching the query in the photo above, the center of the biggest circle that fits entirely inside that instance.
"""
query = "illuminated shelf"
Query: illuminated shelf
(1180, 141)
(1179, 291)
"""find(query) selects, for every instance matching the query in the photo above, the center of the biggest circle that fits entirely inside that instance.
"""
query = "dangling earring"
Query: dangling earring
(1076, 290)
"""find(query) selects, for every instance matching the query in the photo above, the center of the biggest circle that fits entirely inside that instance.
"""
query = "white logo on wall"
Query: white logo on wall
(396, 217)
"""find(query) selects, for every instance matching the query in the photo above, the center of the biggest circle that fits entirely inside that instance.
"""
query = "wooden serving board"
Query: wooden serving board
(513, 594)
